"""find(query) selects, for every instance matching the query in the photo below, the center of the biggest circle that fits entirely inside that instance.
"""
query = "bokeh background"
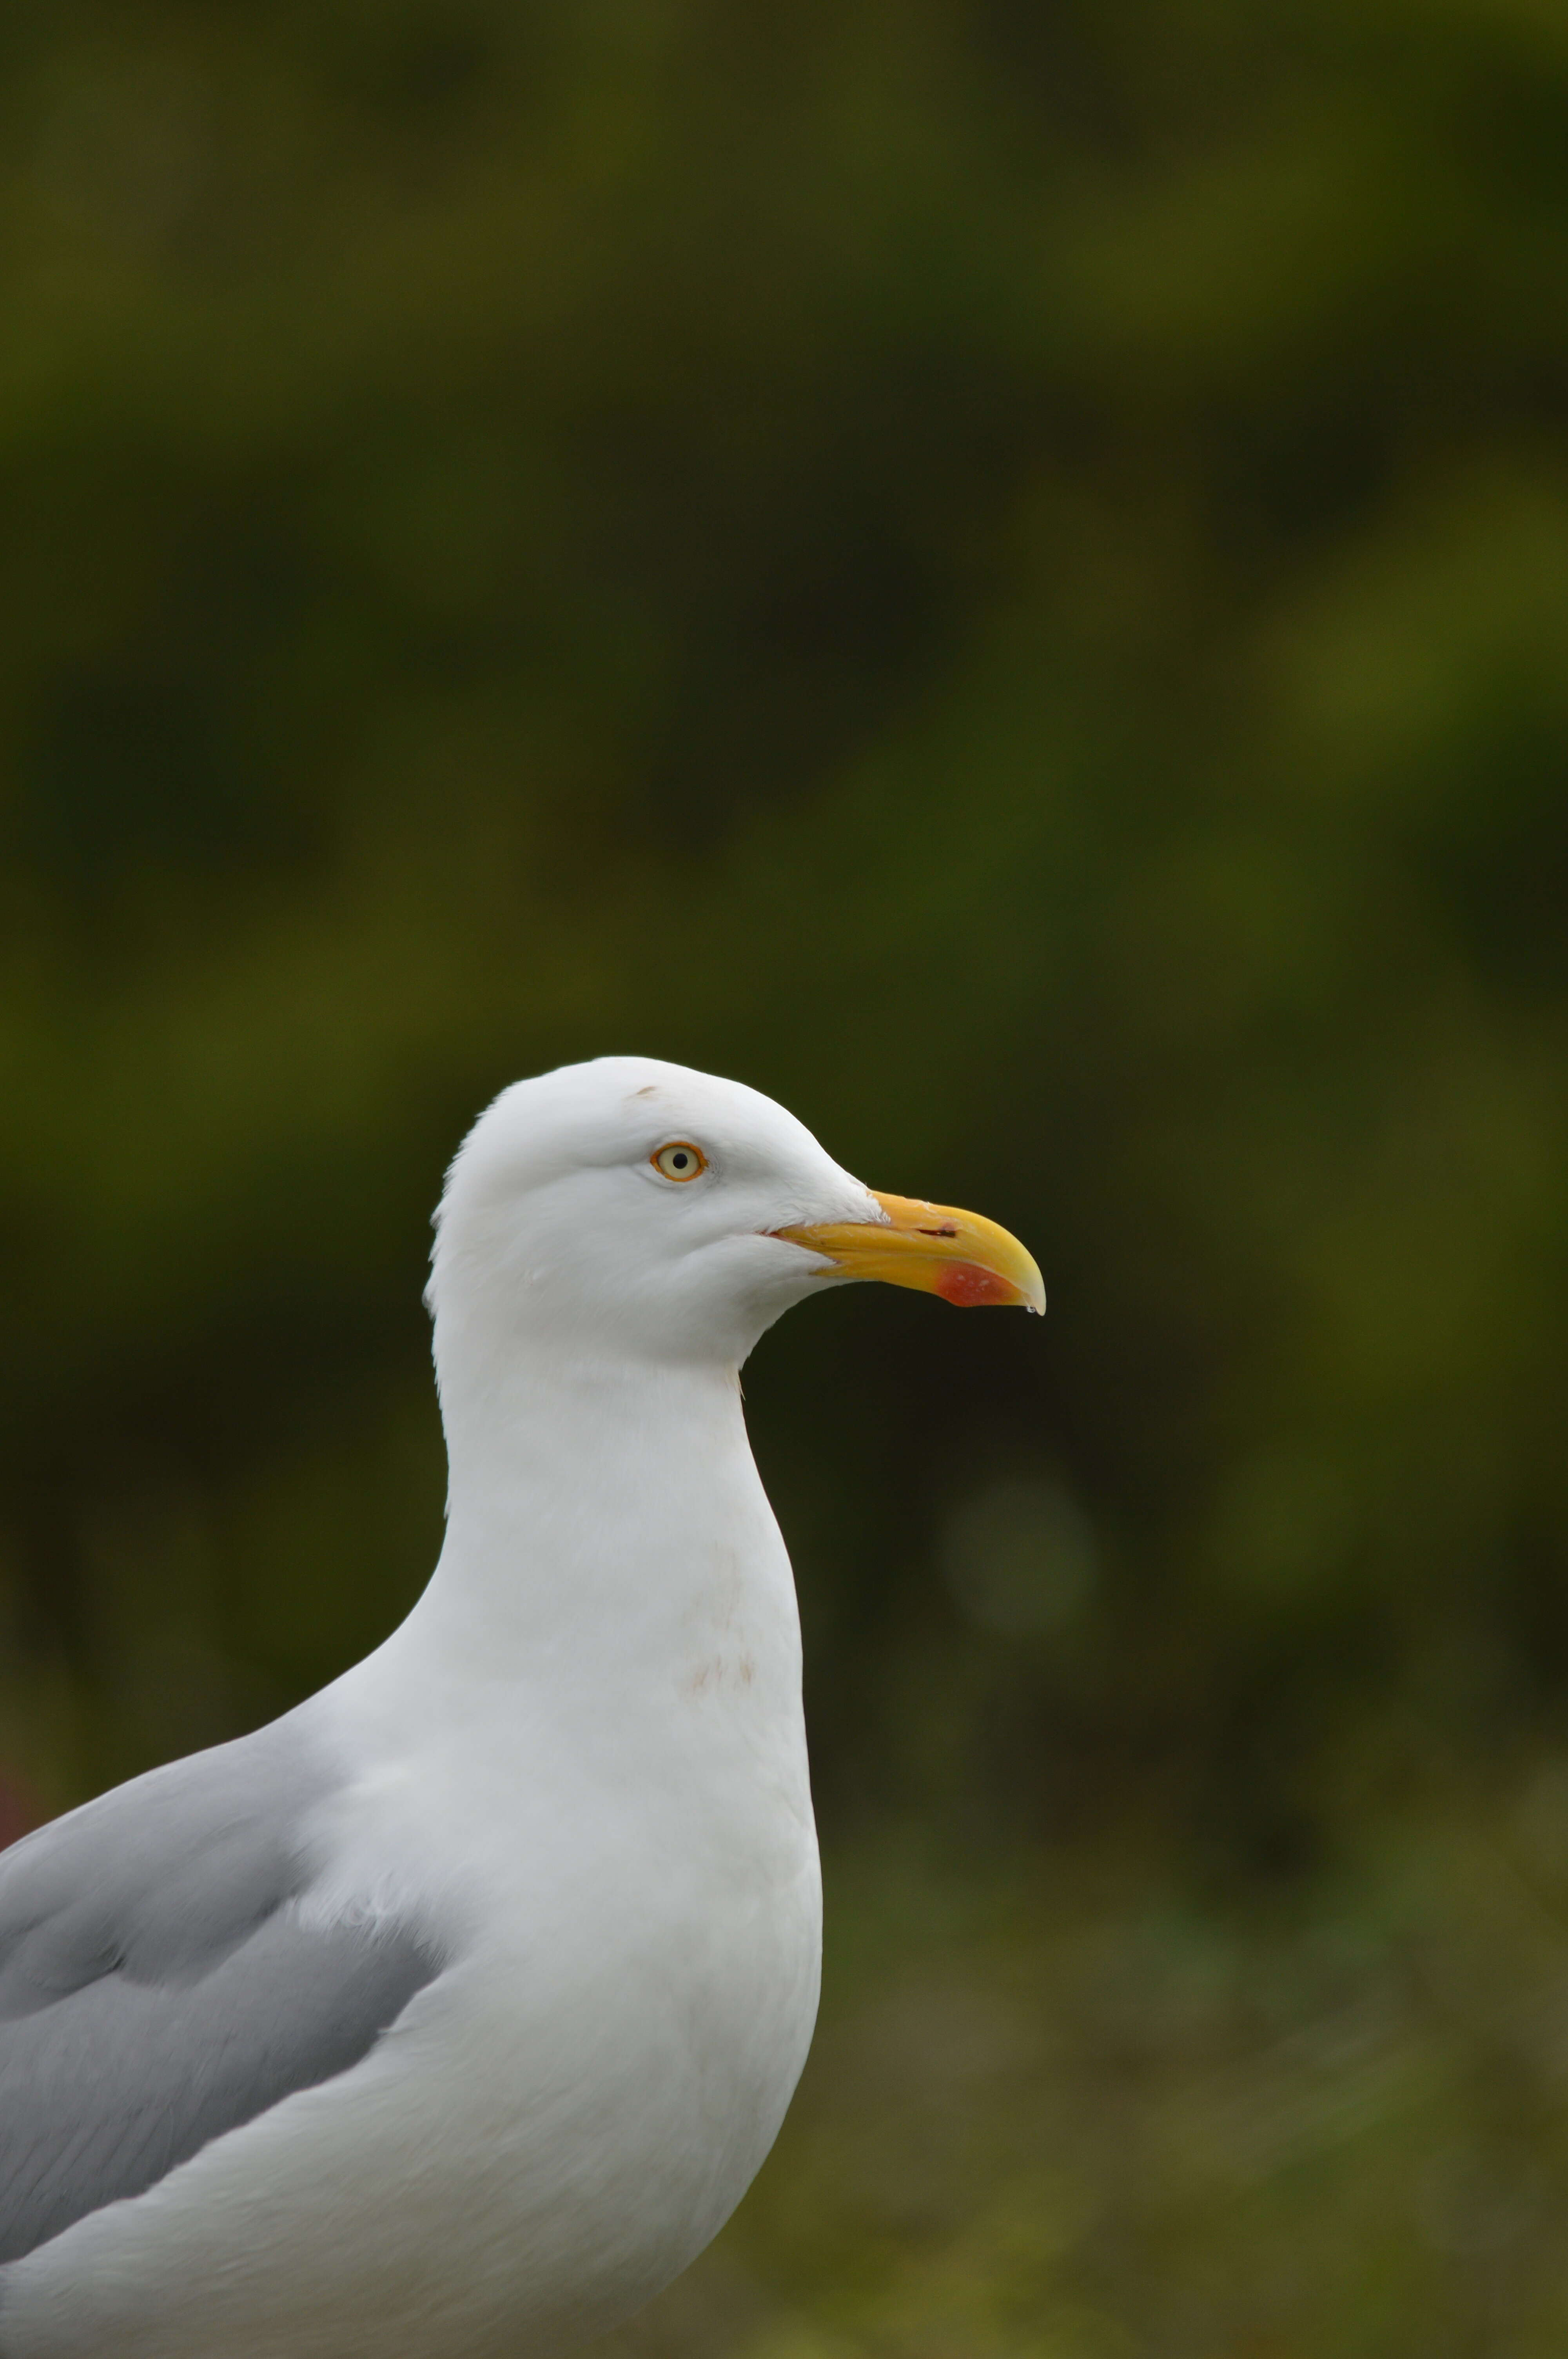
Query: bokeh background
(1001, 574)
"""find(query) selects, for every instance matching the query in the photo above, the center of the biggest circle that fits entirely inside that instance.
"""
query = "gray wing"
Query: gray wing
(156, 1987)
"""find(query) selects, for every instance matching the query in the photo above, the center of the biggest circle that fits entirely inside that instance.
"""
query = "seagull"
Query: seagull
(451, 2016)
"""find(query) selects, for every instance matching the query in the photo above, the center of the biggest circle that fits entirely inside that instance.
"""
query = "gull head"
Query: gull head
(640, 1210)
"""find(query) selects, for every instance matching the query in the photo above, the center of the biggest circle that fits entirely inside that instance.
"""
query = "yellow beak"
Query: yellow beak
(965, 1259)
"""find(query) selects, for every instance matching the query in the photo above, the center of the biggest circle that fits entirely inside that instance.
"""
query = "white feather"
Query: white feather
(580, 1763)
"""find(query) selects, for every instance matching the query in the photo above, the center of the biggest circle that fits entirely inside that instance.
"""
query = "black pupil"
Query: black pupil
(679, 1161)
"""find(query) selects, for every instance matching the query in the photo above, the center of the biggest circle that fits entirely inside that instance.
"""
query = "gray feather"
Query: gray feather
(156, 1987)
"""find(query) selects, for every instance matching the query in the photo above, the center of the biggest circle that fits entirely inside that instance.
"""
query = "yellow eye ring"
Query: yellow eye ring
(680, 1160)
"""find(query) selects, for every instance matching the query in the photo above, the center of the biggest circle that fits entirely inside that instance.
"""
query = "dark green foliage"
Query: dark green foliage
(1003, 574)
(998, 572)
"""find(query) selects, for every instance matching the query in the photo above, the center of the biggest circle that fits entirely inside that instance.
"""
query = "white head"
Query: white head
(640, 1210)
(564, 1216)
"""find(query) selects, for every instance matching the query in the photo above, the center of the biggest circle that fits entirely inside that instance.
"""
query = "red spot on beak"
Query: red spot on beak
(966, 1285)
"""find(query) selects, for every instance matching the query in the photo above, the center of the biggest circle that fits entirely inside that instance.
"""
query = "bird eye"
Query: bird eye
(680, 1160)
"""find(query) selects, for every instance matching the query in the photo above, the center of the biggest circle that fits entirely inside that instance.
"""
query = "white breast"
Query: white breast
(603, 1808)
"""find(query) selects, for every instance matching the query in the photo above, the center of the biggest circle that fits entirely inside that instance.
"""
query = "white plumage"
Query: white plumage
(543, 1866)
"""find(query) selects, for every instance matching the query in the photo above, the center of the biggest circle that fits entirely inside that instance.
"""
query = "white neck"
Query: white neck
(608, 1546)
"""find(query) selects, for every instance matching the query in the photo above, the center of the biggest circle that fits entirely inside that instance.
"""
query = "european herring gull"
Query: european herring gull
(451, 2015)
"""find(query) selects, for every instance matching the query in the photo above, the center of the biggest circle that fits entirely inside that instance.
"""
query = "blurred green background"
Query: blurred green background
(1001, 574)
